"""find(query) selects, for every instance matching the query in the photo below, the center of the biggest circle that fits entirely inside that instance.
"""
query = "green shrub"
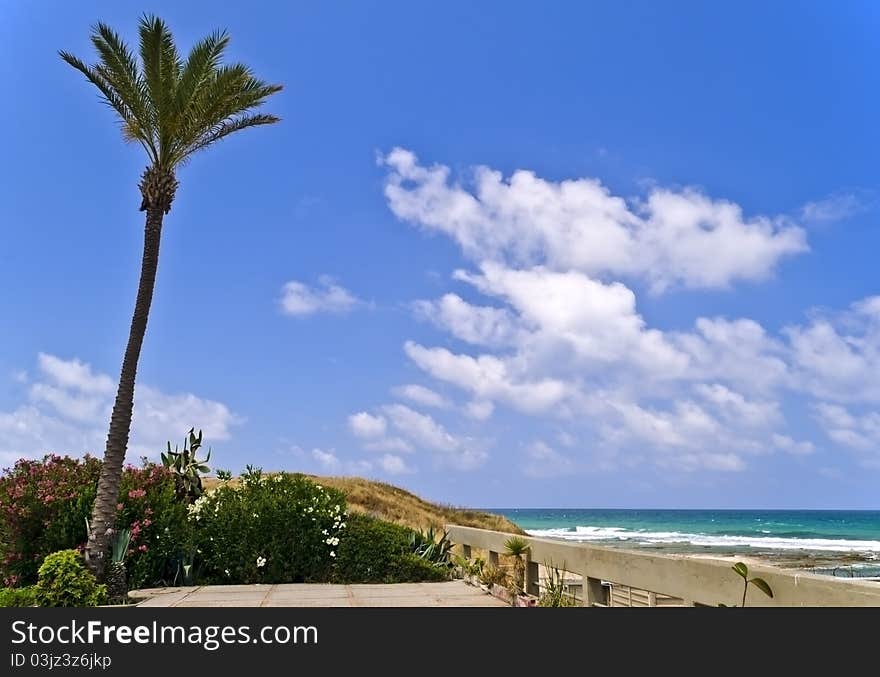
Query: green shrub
(374, 551)
(275, 529)
(65, 581)
(10, 597)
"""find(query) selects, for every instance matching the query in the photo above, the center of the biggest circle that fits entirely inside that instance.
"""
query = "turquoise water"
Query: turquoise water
(827, 538)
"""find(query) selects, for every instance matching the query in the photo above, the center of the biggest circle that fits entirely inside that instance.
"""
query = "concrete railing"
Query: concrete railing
(694, 581)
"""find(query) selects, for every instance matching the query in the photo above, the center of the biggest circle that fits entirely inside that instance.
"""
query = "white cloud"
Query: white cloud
(858, 432)
(298, 299)
(74, 375)
(366, 425)
(420, 428)
(389, 444)
(328, 460)
(488, 377)
(421, 395)
(838, 357)
(671, 238)
(426, 433)
(480, 325)
(394, 465)
(791, 446)
(836, 207)
(542, 461)
(734, 407)
(69, 410)
(480, 410)
(330, 463)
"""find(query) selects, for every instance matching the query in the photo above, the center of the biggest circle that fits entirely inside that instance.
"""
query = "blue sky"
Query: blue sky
(591, 254)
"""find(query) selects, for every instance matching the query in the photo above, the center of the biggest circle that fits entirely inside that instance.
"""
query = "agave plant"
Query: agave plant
(430, 547)
(117, 578)
(186, 466)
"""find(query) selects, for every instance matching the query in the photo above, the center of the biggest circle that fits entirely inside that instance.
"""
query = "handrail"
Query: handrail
(697, 581)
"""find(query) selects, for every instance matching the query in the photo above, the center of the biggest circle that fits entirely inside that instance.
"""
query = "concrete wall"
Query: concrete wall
(694, 580)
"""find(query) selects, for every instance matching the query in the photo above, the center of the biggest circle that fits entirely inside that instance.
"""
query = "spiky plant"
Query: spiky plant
(117, 578)
(187, 467)
(517, 547)
(172, 108)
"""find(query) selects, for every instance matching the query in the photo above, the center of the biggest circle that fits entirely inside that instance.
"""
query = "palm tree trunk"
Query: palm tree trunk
(104, 511)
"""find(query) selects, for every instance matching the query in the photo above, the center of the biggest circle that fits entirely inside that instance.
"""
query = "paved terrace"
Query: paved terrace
(448, 594)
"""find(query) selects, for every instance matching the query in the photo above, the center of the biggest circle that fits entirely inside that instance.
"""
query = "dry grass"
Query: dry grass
(394, 504)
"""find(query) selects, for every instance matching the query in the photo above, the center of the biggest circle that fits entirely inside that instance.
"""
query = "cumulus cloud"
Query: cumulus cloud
(298, 299)
(542, 461)
(836, 207)
(366, 425)
(670, 238)
(554, 329)
(69, 406)
(421, 395)
(859, 432)
(394, 465)
(415, 431)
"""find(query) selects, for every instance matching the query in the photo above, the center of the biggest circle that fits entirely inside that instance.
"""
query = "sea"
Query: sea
(832, 542)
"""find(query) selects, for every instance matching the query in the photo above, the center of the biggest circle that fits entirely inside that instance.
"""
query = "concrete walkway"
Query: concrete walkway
(449, 594)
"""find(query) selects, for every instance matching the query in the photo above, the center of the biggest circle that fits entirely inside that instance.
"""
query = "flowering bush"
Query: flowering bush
(44, 505)
(43, 508)
(160, 533)
(276, 529)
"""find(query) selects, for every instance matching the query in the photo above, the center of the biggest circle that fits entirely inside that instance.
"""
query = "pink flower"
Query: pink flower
(119, 506)
(137, 493)
(142, 548)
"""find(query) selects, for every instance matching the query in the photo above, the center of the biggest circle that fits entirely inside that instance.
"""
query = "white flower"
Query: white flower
(342, 525)
(324, 531)
(332, 554)
(226, 571)
(261, 562)
(256, 515)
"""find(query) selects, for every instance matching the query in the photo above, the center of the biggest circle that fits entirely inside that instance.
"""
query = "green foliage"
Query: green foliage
(374, 551)
(18, 597)
(517, 547)
(224, 475)
(491, 575)
(187, 467)
(469, 567)
(173, 107)
(554, 593)
(743, 572)
(64, 581)
(430, 547)
(282, 528)
(119, 546)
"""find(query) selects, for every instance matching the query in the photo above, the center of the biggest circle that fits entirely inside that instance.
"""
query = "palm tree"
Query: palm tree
(173, 109)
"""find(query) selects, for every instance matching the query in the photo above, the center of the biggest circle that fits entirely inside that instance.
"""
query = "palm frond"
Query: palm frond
(119, 67)
(161, 64)
(220, 106)
(113, 99)
(230, 126)
(202, 62)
